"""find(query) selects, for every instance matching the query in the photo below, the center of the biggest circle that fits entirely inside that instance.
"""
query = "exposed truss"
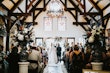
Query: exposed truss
(77, 6)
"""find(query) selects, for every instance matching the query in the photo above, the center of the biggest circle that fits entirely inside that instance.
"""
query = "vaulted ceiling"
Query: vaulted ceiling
(92, 11)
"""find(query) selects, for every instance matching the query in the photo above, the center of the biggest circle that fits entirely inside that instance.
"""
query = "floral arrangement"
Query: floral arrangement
(96, 41)
(96, 34)
(23, 34)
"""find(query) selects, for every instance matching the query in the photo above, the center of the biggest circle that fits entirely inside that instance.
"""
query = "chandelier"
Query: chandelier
(55, 8)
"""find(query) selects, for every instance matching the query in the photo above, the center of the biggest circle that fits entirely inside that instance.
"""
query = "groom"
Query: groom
(59, 52)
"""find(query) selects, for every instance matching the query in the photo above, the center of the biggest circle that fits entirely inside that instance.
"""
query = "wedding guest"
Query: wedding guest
(59, 52)
(44, 56)
(35, 60)
(13, 60)
(66, 59)
(87, 58)
(107, 61)
(76, 60)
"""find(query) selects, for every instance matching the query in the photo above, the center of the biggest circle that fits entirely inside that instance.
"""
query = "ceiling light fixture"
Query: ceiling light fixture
(55, 8)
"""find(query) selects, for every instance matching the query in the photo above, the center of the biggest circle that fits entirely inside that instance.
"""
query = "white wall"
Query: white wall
(71, 30)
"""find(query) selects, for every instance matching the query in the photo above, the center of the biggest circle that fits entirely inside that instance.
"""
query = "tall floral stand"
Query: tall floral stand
(23, 67)
(97, 65)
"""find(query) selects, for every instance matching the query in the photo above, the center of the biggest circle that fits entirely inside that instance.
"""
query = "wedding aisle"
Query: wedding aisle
(55, 68)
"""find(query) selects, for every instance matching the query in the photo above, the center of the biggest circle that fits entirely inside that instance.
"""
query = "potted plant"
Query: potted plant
(96, 40)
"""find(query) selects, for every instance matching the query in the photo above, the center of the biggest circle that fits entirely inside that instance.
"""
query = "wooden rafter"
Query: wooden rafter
(26, 5)
(3, 6)
(80, 4)
(20, 14)
(80, 23)
(34, 7)
(72, 14)
(76, 16)
(84, 27)
(76, 8)
(15, 5)
(106, 16)
(84, 6)
(106, 7)
(37, 14)
(94, 19)
(93, 7)
(41, 9)
(30, 4)
(18, 18)
(96, 6)
(107, 21)
(1, 2)
(91, 13)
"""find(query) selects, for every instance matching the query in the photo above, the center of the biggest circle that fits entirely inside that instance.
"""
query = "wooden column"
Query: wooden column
(8, 33)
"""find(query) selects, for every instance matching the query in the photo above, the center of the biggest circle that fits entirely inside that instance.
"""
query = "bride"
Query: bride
(53, 66)
(52, 56)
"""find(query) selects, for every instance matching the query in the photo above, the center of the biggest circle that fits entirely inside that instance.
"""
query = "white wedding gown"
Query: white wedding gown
(53, 66)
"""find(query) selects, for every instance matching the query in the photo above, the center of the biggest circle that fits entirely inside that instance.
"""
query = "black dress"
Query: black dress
(13, 60)
(77, 63)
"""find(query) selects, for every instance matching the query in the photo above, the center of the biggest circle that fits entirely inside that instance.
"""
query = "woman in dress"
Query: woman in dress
(52, 56)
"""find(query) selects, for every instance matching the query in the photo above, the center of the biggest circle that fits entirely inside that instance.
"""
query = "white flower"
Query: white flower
(100, 27)
(94, 27)
(25, 30)
(91, 39)
(93, 32)
(20, 37)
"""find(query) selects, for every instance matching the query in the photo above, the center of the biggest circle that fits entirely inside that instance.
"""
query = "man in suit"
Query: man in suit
(59, 52)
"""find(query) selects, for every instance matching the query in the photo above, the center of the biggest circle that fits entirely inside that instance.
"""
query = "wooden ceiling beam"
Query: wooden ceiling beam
(80, 23)
(30, 4)
(20, 14)
(106, 16)
(64, 4)
(95, 19)
(1, 2)
(37, 14)
(107, 21)
(80, 4)
(26, 5)
(84, 6)
(34, 7)
(44, 3)
(76, 7)
(39, 8)
(3, 6)
(76, 15)
(91, 13)
(72, 14)
(108, 5)
(70, 9)
(83, 27)
(95, 5)
(15, 5)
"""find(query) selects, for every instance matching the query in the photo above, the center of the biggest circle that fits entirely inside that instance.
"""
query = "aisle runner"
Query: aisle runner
(55, 68)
